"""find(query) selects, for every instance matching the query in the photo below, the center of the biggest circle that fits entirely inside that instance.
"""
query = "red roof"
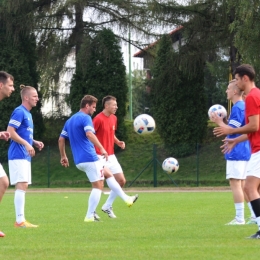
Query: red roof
(141, 52)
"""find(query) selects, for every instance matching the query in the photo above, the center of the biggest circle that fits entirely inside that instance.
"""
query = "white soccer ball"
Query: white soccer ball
(144, 124)
(170, 165)
(221, 111)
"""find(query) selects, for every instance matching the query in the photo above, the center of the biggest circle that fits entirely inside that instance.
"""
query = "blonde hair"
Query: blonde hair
(239, 91)
(25, 90)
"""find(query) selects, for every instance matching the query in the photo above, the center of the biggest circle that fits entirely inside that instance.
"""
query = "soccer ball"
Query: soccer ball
(170, 165)
(221, 111)
(144, 124)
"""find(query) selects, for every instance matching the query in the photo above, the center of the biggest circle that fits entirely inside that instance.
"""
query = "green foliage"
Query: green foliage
(178, 101)
(100, 72)
(19, 59)
(140, 99)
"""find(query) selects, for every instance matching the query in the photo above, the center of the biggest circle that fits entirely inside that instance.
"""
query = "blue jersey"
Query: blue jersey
(21, 120)
(241, 152)
(75, 130)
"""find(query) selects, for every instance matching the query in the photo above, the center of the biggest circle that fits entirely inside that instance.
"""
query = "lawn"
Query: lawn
(160, 225)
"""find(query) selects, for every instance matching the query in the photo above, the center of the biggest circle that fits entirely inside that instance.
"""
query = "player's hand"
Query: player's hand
(214, 117)
(121, 144)
(221, 130)
(30, 150)
(104, 153)
(64, 162)
(5, 135)
(228, 145)
(38, 145)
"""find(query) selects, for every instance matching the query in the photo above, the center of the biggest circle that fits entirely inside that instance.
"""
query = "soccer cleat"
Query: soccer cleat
(2, 234)
(96, 215)
(25, 224)
(256, 235)
(250, 221)
(132, 200)
(235, 222)
(109, 212)
(92, 219)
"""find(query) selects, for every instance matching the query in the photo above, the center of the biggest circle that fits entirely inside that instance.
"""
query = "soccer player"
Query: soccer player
(105, 124)
(237, 159)
(21, 150)
(81, 134)
(245, 75)
(6, 89)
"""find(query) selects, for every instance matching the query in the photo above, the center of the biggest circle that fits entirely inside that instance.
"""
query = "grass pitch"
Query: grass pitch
(169, 225)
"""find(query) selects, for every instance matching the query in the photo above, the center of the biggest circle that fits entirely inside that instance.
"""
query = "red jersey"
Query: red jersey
(105, 127)
(253, 108)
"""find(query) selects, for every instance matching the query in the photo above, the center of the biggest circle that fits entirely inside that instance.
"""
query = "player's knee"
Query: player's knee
(4, 183)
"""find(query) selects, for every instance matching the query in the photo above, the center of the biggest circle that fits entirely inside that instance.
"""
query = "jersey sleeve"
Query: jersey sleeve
(252, 105)
(236, 118)
(64, 132)
(88, 125)
(16, 118)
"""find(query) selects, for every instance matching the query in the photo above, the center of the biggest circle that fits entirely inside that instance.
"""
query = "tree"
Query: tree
(178, 101)
(100, 72)
(19, 59)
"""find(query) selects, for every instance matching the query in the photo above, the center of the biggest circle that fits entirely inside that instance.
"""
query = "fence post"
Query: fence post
(48, 165)
(197, 164)
(154, 166)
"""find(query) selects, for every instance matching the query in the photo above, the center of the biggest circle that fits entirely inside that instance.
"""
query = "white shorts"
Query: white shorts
(253, 168)
(20, 171)
(236, 170)
(93, 170)
(2, 171)
(112, 163)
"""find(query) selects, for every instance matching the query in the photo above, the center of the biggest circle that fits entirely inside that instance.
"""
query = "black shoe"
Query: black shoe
(256, 235)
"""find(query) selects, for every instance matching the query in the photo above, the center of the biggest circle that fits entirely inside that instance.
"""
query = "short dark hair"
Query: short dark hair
(88, 99)
(4, 76)
(106, 99)
(245, 69)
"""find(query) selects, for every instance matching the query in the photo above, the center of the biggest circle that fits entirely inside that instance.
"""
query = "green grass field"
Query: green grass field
(164, 225)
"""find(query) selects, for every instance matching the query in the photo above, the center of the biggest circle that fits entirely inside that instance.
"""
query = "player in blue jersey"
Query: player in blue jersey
(79, 130)
(6, 89)
(238, 158)
(21, 150)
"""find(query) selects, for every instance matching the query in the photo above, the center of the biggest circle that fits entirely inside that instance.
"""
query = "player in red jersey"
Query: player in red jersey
(105, 124)
(245, 75)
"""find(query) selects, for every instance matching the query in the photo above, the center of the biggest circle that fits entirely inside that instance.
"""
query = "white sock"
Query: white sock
(19, 203)
(258, 222)
(240, 211)
(251, 210)
(112, 196)
(93, 201)
(116, 188)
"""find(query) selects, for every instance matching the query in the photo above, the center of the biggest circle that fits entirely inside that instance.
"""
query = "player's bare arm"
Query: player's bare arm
(15, 137)
(63, 157)
(121, 144)
(252, 126)
(4, 135)
(38, 144)
(92, 137)
(229, 144)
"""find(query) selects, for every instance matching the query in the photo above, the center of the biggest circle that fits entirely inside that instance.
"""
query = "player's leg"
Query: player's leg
(251, 188)
(115, 187)
(4, 183)
(118, 174)
(238, 196)
(235, 172)
(94, 172)
(251, 219)
(20, 176)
